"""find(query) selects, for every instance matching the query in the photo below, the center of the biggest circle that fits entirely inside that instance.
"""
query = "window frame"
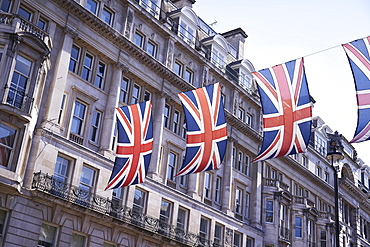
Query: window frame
(55, 234)
(298, 232)
(137, 207)
(269, 211)
(12, 148)
(96, 126)
(96, 7)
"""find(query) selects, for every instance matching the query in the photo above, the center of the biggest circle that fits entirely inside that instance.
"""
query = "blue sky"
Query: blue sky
(284, 30)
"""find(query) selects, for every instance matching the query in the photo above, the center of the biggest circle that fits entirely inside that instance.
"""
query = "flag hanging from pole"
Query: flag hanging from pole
(206, 134)
(358, 53)
(287, 110)
(134, 145)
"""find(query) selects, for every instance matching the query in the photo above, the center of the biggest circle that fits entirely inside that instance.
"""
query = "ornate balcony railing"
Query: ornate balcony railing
(18, 99)
(48, 184)
(284, 233)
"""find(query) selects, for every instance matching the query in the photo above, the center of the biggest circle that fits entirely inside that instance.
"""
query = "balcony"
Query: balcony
(18, 24)
(18, 99)
(122, 215)
(284, 234)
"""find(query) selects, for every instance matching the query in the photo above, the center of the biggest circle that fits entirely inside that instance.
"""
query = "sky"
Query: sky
(283, 30)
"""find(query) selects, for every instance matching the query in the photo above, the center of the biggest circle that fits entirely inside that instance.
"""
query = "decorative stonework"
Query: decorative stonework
(129, 22)
(170, 53)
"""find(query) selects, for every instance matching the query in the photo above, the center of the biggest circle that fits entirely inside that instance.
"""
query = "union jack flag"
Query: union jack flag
(287, 110)
(358, 53)
(134, 145)
(206, 135)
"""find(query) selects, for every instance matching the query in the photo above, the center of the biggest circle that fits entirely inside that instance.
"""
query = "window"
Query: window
(318, 171)
(326, 177)
(106, 244)
(323, 238)
(238, 239)
(269, 211)
(218, 190)
(241, 114)
(177, 68)
(218, 59)
(95, 126)
(304, 161)
(189, 76)
(78, 118)
(78, 240)
(100, 74)
(239, 163)
(238, 201)
(244, 81)
(61, 109)
(24, 13)
(18, 85)
(246, 206)
(86, 182)
(219, 234)
(116, 201)
(73, 61)
(151, 49)
(166, 116)
(5, 5)
(61, 170)
(92, 6)
(124, 90)
(165, 213)
(135, 94)
(298, 227)
(139, 201)
(42, 24)
(246, 165)
(87, 67)
(152, 6)
(176, 122)
(47, 235)
(248, 119)
(3, 216)
(250, 242)
(7, 141)
(204, 228)
(311, 231)
(147, 95)
(187, 33)
(107, 16)
(182, 218)
(171, 167)
(139, 40)
(207, 185)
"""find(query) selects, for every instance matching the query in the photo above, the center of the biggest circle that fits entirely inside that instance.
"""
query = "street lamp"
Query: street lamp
(334, 156)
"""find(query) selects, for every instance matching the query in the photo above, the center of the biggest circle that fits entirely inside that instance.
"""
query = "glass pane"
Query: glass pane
(24, 13)
(87, 176)
(23, 65)
(78, 240)
(47, 235)
(5, 5)
(92, 6)
(107, 16)
(61, 169)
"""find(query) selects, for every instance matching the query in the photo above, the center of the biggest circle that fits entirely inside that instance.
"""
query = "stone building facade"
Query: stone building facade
(66, 64)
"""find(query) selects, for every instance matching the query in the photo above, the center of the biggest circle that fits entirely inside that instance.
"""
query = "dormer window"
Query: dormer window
(187, 24)
(187, 34)
(218, 58)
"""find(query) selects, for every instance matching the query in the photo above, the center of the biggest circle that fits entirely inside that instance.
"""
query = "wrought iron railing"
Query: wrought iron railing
(18, 99)
(284, 233)
(48, 184)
